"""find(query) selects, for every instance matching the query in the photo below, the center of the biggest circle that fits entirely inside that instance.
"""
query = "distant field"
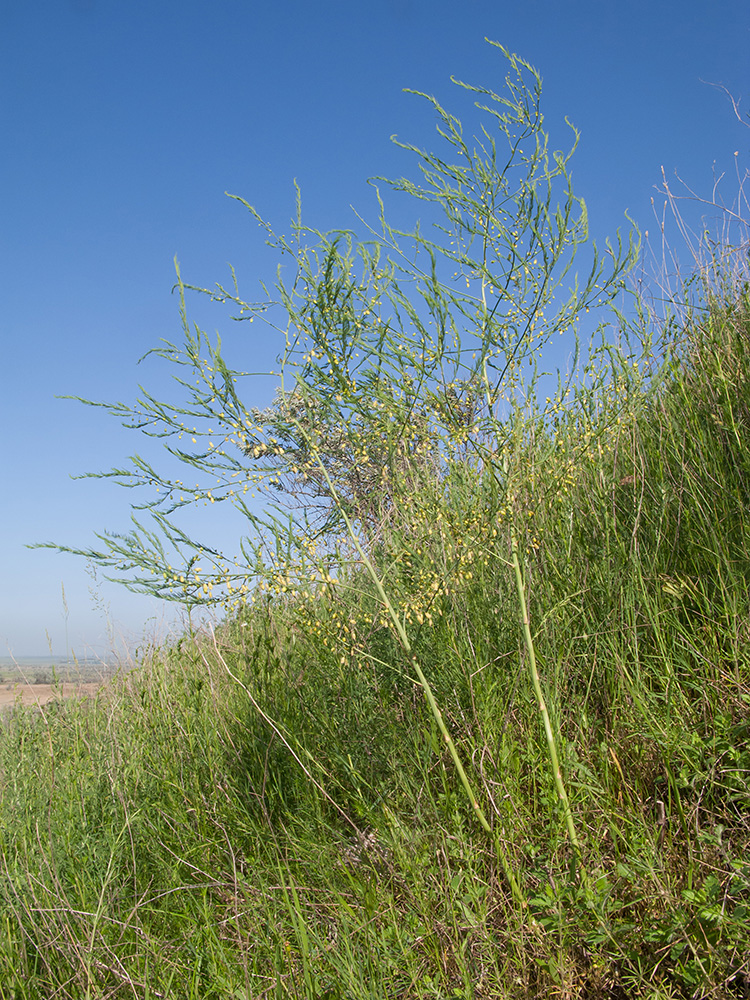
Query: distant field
(49, 669)
(37, 680)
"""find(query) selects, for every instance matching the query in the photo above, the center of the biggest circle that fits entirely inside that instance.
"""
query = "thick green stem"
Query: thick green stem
(551, 744)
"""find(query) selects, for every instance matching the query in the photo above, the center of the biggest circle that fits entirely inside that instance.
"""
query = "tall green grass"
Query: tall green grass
(272, 810)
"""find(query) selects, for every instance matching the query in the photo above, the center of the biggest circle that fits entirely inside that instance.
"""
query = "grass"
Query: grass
(273, 811)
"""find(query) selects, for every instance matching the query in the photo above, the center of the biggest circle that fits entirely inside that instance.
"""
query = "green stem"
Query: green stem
(551, 745)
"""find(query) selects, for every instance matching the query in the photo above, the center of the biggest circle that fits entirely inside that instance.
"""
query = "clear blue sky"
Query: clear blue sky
(122, 126)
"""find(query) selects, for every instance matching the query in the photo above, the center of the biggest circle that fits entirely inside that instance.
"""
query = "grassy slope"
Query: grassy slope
(303, 833)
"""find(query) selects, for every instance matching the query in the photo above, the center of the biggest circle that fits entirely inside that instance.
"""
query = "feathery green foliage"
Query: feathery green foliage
(399, 355)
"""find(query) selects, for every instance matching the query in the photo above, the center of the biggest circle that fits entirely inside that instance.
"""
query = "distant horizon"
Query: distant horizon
(10, 661)
(114, 648)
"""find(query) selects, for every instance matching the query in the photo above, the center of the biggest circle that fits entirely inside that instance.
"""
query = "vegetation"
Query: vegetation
(477, 720)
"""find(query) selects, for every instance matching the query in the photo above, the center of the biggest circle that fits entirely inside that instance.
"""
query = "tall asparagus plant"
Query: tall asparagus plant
(402, 357)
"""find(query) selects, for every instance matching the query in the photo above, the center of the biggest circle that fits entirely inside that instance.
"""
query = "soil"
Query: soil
(12, 693)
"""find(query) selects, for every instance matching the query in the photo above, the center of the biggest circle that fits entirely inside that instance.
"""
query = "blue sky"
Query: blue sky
(124, 124)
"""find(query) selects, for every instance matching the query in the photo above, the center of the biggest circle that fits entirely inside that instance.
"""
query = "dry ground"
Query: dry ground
(42, 694)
